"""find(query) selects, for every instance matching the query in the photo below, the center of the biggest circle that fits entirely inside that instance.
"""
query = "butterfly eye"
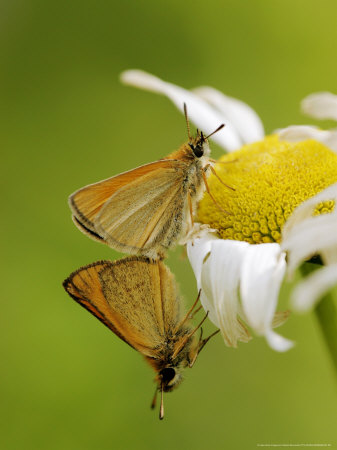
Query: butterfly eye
(197, 150)
(167, 374)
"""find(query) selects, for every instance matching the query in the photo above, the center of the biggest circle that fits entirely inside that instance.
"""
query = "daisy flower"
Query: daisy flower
(240, 280)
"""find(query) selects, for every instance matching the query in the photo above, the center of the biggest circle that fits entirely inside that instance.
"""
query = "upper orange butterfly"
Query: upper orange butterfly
(146, 210)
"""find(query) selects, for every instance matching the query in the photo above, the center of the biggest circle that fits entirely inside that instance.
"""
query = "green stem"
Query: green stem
(326, 314)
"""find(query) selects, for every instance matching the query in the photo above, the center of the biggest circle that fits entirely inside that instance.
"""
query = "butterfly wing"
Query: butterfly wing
(86, 203)
(134, 297)
(84, 287)
(134, 210)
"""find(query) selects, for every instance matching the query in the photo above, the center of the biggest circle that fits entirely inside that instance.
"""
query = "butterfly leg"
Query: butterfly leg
(204, 341)
(195, 312)
(222, 162)
(201, 345)
(190, 207)
(191, 364)
(215, 174)
(187, 337)
(210, 194)
(189, 312)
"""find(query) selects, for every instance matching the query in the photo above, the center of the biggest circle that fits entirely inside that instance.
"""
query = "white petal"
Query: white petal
(310, 237)
(278, 342)
(219, 282)
(245, 120)
(308, 292)
(298, 133)
(295, 133)
(261, 277)
(321, 105)
(197, 252)
(199, 111)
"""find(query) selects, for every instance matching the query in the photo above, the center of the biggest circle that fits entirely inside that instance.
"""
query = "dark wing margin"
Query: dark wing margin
(84, 283)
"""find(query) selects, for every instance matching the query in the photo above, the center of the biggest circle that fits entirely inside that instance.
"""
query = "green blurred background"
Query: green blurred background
(67, 382)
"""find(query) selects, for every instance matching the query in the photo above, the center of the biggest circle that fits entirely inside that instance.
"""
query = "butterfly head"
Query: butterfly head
(169, 378)
(199, 145)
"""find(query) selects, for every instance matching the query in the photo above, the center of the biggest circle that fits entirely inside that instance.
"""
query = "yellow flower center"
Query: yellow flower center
(270, 179)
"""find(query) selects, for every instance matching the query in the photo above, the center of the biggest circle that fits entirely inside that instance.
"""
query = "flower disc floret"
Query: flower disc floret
(271, 178)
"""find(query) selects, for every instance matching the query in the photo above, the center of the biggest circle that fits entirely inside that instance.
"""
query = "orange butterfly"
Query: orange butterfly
(146, 210)
(137, 299)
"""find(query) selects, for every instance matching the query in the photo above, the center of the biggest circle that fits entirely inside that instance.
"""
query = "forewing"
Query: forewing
(86, 203)
(146, 293)
(84, 286)
(144, 212)
(132, 297)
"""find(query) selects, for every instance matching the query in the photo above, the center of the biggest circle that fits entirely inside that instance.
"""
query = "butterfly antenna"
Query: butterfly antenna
(161, 411)
(218, 129)
(187, 122)
(154, 401)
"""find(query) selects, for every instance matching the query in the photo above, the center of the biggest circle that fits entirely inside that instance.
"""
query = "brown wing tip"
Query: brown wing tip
(69, 288)
(77, 213)
(68, 282)
(72, 203)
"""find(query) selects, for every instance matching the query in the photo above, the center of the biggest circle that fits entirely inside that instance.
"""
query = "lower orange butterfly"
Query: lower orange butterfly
(138, 300)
